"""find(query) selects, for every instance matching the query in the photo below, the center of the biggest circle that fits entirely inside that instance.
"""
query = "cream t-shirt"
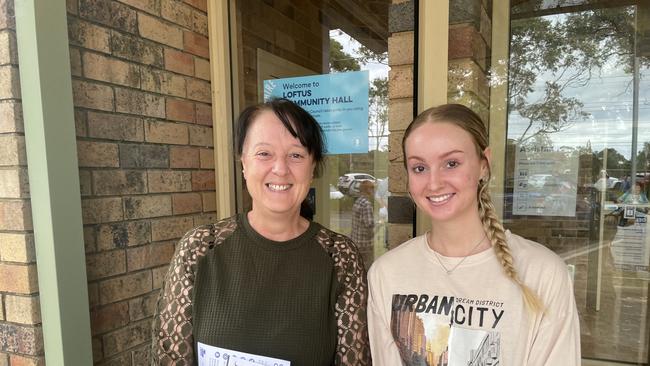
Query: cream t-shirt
(420, 315)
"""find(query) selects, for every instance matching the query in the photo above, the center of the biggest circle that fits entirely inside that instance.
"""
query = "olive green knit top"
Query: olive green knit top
(302, 300)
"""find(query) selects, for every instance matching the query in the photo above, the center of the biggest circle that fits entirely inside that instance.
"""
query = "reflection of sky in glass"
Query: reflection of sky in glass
(377, 140)
(607, 98)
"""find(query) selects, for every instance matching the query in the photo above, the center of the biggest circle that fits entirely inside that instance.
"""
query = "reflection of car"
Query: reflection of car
(346, 180)
(335, 194)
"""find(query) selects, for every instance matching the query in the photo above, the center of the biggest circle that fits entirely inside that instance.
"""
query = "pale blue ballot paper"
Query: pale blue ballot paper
(216, 356)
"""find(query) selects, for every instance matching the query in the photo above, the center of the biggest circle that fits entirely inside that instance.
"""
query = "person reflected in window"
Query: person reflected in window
(267, 282)
(634, 196)
(363, 222)
(467, 286)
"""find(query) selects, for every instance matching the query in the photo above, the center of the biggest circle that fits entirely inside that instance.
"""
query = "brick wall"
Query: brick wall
(141, 85)
(288, 30)
(21, 340)
(401, 45)
(470, 39)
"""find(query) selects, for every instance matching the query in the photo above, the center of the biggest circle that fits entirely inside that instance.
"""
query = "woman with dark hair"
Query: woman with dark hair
(268, 282)
(467, 292)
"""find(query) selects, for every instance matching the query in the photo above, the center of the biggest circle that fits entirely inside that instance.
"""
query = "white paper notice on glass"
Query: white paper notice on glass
(216, 356)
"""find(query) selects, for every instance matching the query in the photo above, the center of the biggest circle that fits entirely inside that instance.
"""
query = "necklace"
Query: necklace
(449, 271)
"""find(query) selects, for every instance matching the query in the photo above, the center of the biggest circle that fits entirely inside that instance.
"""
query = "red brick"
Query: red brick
(177, 12)
(101, 210)
(204, 114)
(17, 247)
(17, 360)
(169, 181)
(88, 35)
(110, 13)
(199, 4)
(111, 70)
(93, 294)
(9, 82)
(72, 6)
(97, 349)
(201, 136)
(139, 103)
(150, 6)
(143, 307)
(24, 339)
(115, 127)
(124, 287)
(207, 159)
(119, 182)
(97, 154)
(144, 206)
(199, 90)
(166, 132)
(179, 62)
(7, 14)
(109, 317)
(203, 180)
(23, 309)
(184, 157)
(16, 215)
(170, 227)
(202, 68)
(180, 110)
(162, 32)
(141, 355)
(196, 44)
(11, 116)
(123, 234)
(105, 264)
(461, 40)
(163, 82)
(12, 150)
(91, 95)
(151, 255)
(159, 275)
(75, 62)
(18, 278)
(125, 338)
(184, 203)
(209, 201)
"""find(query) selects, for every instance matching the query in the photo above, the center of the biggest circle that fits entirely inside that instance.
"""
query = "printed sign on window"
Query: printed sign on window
(338, 101)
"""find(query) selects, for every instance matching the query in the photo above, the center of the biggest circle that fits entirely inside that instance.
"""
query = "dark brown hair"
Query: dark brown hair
(295, 119)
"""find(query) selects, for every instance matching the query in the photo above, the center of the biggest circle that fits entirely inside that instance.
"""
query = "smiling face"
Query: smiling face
(444, 168)
(278, 169)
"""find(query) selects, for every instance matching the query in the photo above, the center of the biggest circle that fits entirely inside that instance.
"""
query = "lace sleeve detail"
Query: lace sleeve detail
(172, 338)
(352, 344)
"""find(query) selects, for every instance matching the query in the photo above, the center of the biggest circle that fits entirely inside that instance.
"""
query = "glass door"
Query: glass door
(330, 57)
(576, 161)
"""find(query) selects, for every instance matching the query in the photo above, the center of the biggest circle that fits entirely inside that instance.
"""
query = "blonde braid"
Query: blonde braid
(497, 236)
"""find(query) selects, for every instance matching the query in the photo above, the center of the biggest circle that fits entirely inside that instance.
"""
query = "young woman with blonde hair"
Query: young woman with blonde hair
(467, 292)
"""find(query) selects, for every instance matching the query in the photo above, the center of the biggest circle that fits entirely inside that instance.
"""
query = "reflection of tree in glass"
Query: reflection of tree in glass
(341, 61)
(562, 52)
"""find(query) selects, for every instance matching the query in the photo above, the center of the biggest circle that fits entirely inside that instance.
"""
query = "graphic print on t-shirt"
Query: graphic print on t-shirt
(435, 330)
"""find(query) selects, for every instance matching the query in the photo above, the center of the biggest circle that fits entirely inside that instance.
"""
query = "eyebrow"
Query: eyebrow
(268, 144)
(441, 156)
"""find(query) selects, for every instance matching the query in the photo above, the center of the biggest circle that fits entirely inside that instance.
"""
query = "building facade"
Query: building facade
(116, 120)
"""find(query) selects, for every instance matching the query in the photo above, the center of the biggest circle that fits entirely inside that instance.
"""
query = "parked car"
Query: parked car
(335, 194)
(346, 180)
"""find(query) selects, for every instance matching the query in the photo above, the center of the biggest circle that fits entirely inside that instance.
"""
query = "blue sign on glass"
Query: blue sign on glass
(338, 101)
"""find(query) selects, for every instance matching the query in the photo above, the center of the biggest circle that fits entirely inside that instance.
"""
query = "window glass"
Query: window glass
(577, 172)
(330, 43)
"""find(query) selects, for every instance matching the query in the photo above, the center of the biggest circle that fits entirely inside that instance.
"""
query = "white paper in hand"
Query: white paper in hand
(216, 356)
